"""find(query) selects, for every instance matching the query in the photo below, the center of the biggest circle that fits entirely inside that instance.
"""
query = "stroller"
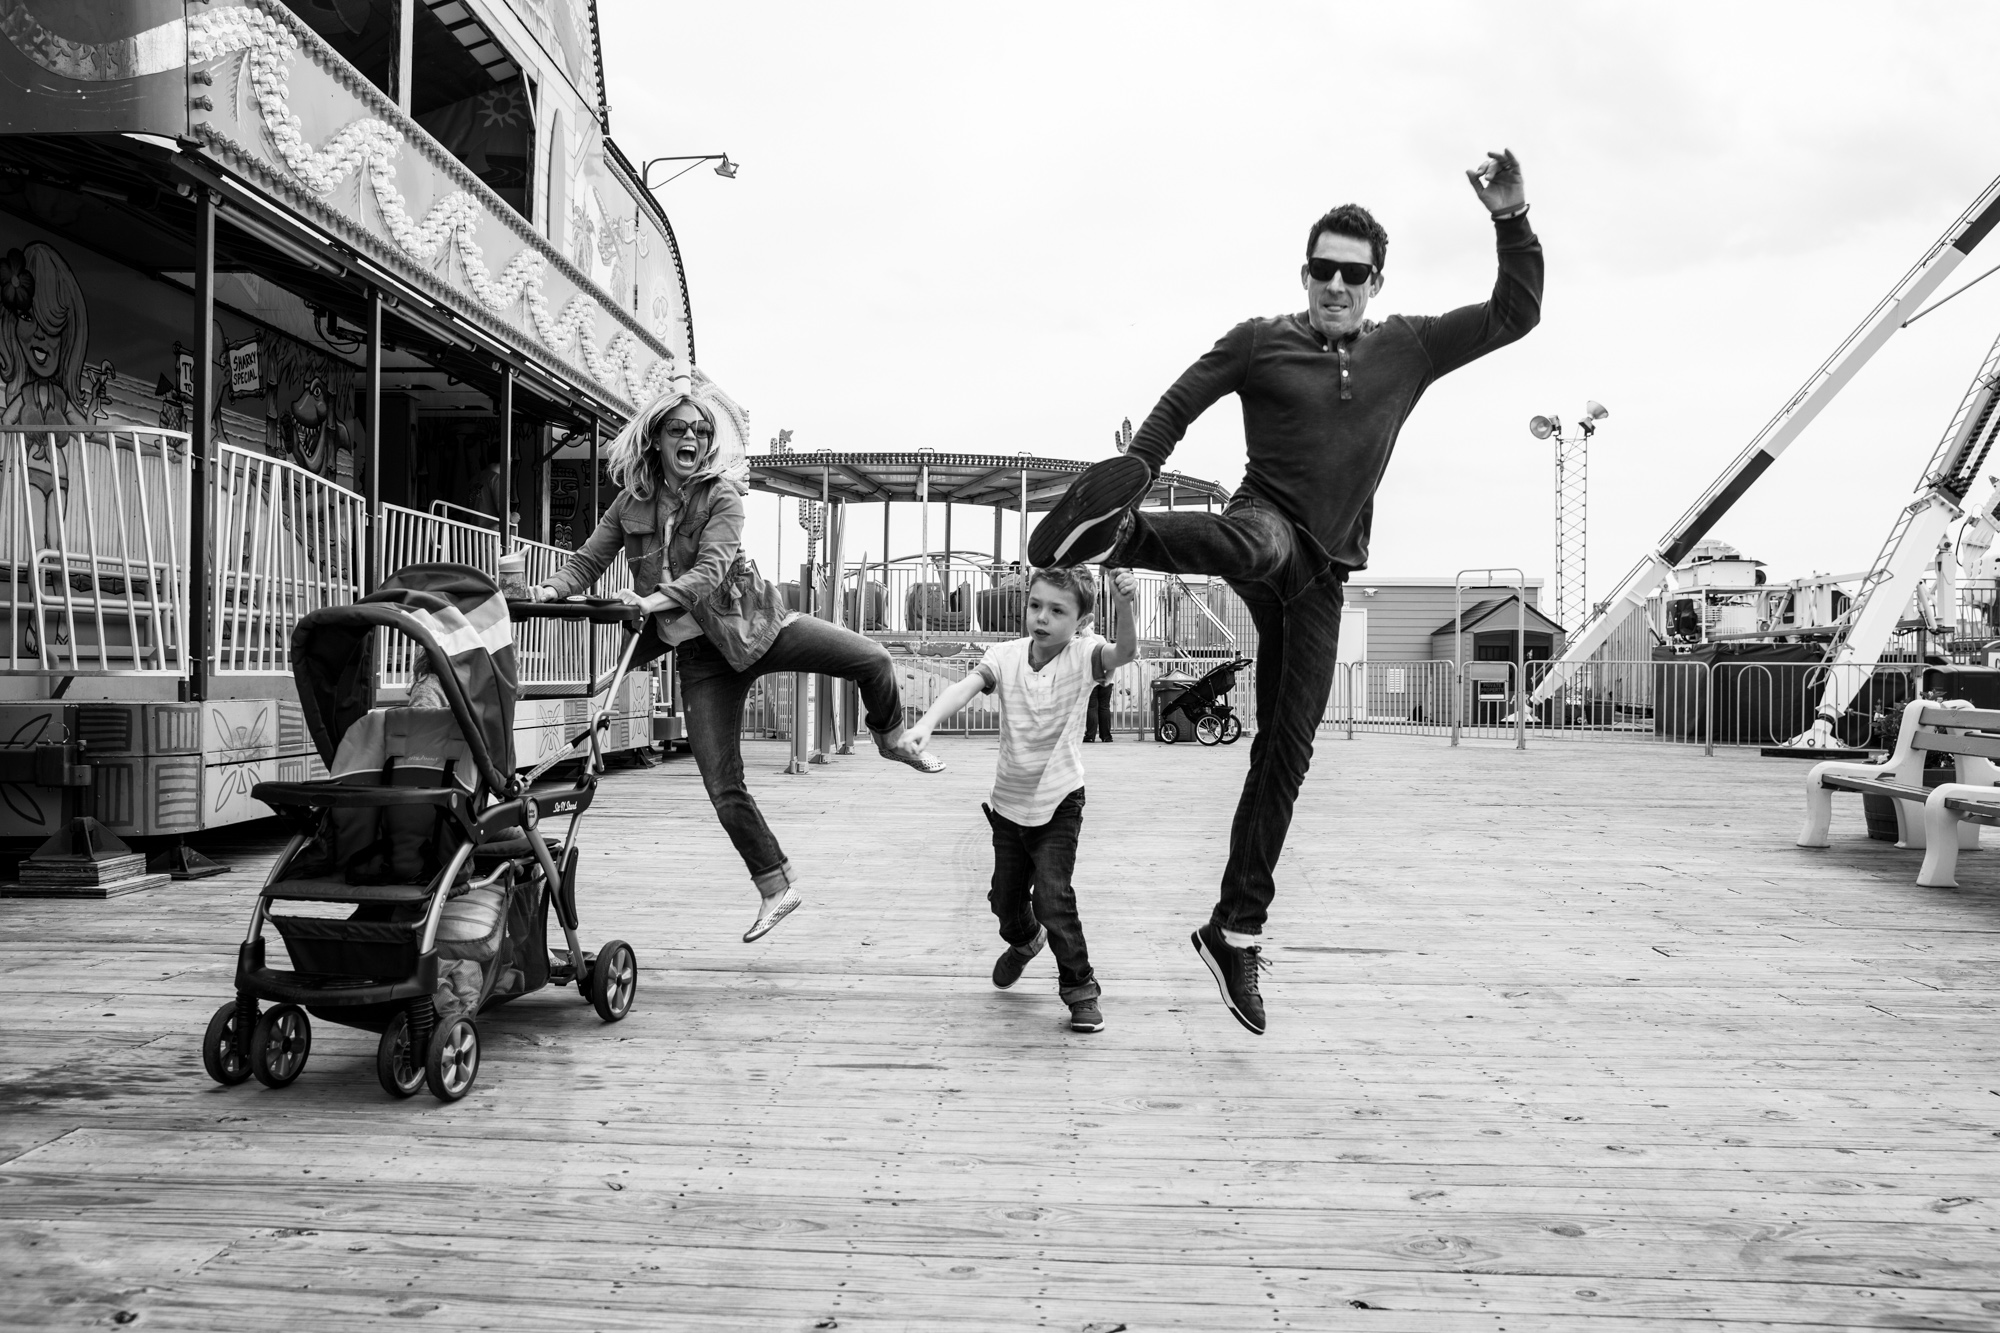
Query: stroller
(1203, 708)
(427, 834)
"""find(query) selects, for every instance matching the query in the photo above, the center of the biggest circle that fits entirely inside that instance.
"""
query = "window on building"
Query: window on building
(472, 97)
(466, 89)
(363, 31)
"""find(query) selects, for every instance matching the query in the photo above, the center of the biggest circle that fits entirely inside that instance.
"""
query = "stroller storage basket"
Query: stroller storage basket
(370, 950)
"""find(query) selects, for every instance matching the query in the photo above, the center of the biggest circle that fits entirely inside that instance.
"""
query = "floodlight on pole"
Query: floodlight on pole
(1572, 601)
(723, 167)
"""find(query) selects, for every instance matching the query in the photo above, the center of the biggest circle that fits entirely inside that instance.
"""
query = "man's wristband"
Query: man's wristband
(1519, 210)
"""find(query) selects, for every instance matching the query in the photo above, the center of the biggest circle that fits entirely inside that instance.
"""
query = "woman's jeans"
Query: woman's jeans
(1032, 864)
(714, 692)
(1294, 594)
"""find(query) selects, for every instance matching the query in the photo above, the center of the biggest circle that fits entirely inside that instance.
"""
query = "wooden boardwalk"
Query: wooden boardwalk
(1570, 1039)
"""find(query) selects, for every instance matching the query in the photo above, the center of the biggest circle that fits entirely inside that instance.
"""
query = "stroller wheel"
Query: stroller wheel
(1209, 730)
(614, 980)
(397, 1067)
(1168, 732)
(221, 1054)
(1232, 729)
(280, 1045)
(453, 1062)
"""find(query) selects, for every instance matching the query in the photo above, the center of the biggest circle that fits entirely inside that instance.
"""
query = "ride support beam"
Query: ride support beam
(201, 444)
(371, 533)
(507, 460)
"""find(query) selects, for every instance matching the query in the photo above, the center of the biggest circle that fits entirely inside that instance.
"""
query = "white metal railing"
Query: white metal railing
(553, 656)
(94, 526)
(921, 678)
(968, 598)
(287, 542)
(1681, 701)
(94, 535)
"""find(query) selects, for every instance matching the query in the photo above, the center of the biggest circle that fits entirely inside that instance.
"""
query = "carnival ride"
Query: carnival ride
(1939, 497)
(280, 287)
(942, 602)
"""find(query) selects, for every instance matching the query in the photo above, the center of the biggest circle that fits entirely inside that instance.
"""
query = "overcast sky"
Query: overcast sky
(1004, 228)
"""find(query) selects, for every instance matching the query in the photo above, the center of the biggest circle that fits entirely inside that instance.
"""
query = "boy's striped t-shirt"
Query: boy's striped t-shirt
(1041, 724)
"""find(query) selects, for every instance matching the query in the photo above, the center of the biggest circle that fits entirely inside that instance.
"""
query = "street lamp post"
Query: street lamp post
(724, 167)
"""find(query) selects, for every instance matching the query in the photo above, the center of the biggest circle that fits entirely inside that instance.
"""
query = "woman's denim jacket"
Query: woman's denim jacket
(704, 569)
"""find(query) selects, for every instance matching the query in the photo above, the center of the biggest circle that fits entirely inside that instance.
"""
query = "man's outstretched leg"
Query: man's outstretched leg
(1297, 644)
(1098, 522)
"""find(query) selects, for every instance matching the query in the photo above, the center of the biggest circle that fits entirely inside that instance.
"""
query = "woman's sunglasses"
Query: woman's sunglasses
(680, 430)
(1352, 274)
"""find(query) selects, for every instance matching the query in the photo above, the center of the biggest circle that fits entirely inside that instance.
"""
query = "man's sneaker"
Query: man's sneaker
(1007, 968)
(1236, 973)
(1085, 525)
(1085, 1016)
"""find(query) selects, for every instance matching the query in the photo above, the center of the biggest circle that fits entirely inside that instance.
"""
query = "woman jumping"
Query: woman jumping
(679, 518)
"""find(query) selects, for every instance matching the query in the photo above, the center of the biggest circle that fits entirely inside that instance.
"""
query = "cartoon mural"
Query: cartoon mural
(44, 339)
(309, 401)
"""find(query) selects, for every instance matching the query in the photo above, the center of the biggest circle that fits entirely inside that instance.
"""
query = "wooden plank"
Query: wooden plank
(1605, 1030)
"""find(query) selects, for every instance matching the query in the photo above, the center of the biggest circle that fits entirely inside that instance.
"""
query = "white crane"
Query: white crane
(1890, 314)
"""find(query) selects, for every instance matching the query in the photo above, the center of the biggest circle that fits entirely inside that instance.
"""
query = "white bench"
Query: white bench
(1942, 820)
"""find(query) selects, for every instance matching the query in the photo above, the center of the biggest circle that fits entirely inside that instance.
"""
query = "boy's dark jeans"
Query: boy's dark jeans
(1295, 595)
(714, 692)
(1031, 883)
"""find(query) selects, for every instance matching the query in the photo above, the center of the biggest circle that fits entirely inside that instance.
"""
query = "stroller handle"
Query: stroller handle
(596, 610)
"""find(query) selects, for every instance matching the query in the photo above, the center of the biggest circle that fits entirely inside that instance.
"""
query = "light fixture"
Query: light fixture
(724, 167)
(1543, 427)
(1593, 412)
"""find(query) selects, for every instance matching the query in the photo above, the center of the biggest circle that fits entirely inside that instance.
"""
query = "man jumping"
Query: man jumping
(1324, 395)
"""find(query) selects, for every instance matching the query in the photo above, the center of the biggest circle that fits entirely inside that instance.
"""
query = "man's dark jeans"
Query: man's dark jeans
(1097, 714)
(1295, 595)
(714, 692)
(1032, 865)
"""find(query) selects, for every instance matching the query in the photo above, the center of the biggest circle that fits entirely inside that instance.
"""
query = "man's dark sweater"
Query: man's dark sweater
(1318, 456)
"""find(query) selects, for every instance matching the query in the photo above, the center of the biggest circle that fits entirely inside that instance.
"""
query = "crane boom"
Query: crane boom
(1910, 292)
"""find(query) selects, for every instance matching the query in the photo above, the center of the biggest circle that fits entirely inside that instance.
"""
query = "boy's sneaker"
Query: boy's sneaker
(1008, 967)
(1086, 524)
(1236, 973)
(1085, 1016)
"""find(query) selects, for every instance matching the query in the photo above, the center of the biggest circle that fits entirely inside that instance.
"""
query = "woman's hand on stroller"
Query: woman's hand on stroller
(542, 592)
(652, 603)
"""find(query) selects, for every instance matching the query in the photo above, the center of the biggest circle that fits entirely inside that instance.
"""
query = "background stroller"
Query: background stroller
(425, 831)
(1201, 708)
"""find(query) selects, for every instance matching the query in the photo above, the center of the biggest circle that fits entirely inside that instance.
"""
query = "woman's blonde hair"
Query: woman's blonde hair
(633, 459)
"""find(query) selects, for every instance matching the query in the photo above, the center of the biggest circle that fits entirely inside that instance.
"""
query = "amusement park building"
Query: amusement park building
(292, 294)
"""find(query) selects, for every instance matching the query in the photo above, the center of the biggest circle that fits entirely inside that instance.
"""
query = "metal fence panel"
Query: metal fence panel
(94, 525)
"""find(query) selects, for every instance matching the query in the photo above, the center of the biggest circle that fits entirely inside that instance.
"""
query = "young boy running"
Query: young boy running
(1043, 684)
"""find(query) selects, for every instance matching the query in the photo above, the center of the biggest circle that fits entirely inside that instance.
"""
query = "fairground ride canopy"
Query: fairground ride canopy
(979, 479)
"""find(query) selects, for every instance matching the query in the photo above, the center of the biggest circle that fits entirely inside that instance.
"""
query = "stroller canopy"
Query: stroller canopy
(459, 618)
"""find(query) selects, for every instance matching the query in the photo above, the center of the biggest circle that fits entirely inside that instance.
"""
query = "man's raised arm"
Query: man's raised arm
(1219, 373)
(1470, 332)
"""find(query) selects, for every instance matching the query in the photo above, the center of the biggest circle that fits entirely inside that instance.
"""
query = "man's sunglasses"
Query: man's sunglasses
(680, 430)
(1352, 274)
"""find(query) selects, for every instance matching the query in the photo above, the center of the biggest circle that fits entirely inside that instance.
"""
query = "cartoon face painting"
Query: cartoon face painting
(44, 333)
